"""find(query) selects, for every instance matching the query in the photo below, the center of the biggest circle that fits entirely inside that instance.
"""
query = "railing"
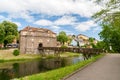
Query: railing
(87, 52)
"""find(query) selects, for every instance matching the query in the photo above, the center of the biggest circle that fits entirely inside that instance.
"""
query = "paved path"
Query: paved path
(107, 68)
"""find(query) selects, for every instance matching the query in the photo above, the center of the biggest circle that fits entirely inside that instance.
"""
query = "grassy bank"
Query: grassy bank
(61, 72)
(6, 56)
(69, 54)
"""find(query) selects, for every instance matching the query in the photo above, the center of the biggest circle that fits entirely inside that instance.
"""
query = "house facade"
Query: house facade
(82, 39)
(31, 38)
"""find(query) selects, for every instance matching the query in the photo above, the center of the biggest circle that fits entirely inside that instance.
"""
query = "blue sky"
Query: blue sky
(71, 16)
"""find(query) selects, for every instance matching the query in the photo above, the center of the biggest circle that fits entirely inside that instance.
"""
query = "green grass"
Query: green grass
(61, 72)
(7, 56)
(64, 54)
(69, 54)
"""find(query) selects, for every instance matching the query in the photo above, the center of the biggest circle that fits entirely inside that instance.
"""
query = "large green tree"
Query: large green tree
(2, 33)
(101, 45)
(109, 19)
(62, 37)
(10, 32)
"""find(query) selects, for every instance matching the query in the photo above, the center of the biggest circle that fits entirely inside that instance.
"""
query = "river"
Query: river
(20, 69)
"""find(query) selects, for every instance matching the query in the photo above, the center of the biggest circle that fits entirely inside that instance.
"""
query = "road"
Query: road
(106, 68)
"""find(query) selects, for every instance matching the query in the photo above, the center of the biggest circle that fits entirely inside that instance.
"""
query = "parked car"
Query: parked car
(12, 45)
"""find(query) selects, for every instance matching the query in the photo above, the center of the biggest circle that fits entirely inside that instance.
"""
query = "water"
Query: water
(20, 69)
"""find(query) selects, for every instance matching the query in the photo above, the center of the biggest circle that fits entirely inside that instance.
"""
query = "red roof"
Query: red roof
(29, 28)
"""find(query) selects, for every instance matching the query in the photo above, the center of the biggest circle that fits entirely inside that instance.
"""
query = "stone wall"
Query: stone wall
(30, 40)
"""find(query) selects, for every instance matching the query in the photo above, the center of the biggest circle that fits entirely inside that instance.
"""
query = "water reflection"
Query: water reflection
(13, 70)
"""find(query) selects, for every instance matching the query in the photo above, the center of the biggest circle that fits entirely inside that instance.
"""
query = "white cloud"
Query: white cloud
(55, 28)
(84, 8)
(24, 8)
(44, 22)
(97, 29)
(23, 15)
(65, 20)
(84, 26)
(18, 24)
(68, 20)
(2, 17)
(16, 9)
(68, 32)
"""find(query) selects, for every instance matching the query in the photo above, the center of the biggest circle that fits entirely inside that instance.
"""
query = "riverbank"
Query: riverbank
(7, 56)
(61, 72)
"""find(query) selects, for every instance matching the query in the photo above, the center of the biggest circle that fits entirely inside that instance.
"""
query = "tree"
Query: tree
(62, 37)
(10, 32)
(2, 33)
(109, 19)
(69, 40)
(9, 39)
(101, 45)
(110, 13)
(91, 42)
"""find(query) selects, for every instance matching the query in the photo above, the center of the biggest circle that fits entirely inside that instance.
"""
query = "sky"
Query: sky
(71, 16)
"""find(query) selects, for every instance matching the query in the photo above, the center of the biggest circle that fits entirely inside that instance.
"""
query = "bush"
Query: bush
(16, 52)
(63, 46)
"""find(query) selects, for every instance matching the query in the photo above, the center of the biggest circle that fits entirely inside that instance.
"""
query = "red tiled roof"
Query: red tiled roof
(29, 28)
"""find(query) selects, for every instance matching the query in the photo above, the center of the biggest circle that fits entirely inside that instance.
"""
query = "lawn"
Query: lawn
(6, 55)
(69, 54)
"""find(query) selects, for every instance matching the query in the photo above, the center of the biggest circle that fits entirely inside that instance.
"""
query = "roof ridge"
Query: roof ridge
(27, 28)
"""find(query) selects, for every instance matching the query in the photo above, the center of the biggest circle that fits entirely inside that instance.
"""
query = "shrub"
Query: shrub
(63, 46)
(16, 52)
